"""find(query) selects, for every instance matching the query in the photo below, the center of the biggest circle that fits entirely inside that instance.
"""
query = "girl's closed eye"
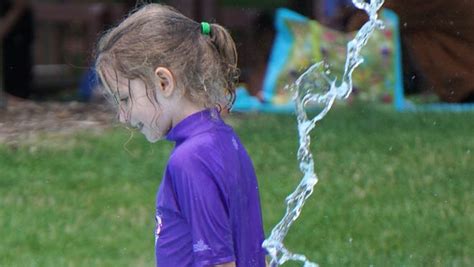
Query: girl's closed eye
(124, 100)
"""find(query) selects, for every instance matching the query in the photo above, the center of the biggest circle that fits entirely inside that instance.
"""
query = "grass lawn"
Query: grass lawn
(396, 189)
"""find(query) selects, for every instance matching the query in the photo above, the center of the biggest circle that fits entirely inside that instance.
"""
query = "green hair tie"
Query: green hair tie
(205, 28)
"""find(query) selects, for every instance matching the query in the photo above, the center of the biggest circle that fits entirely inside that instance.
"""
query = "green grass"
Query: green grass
(395, 189)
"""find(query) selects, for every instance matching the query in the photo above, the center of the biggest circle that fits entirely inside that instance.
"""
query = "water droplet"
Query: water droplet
(405, 24)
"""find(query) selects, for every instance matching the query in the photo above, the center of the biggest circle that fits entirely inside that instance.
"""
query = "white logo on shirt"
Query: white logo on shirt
(159, 225)
(234, 142)
(200, 246)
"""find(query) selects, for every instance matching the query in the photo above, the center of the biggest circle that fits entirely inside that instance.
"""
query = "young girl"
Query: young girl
(171, 76)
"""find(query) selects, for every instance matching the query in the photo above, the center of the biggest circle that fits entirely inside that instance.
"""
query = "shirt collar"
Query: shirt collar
(194, 124)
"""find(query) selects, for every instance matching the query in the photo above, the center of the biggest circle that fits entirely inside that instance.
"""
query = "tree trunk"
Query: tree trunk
(3, 98)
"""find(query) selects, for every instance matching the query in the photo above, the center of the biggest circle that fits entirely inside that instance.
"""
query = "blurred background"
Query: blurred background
(48, 45)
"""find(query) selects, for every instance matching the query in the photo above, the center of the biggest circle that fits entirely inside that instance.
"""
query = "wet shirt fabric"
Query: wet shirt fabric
(208, 207)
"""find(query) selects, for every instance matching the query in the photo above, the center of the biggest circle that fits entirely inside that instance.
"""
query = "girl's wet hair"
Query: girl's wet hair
(205, 66)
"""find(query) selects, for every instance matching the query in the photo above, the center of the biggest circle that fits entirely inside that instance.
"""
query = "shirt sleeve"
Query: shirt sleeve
(202, 203)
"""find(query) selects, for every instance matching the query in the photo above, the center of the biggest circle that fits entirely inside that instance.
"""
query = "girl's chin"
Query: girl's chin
(152, 137)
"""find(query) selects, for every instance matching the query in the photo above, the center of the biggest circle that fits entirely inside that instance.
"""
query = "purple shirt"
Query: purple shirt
(208, 206)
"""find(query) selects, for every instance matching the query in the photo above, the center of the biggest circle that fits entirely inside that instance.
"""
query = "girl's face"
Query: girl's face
(142, 110)
(153, 111)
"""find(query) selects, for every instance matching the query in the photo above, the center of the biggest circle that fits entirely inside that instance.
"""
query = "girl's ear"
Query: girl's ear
(166, 81)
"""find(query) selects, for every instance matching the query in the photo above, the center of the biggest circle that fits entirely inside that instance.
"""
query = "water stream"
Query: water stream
(315, 87)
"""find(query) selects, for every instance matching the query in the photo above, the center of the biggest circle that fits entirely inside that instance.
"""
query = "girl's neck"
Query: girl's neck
(183, 109)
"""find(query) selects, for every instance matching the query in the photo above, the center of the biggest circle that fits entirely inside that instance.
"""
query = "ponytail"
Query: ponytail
(227, 52)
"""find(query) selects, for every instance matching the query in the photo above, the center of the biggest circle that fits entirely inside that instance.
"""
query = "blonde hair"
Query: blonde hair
(155, 35)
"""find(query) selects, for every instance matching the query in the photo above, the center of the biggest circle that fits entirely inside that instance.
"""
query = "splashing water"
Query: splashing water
(315, 87)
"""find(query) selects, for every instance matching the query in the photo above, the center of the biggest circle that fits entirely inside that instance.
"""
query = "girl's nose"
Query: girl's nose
(122, 116)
